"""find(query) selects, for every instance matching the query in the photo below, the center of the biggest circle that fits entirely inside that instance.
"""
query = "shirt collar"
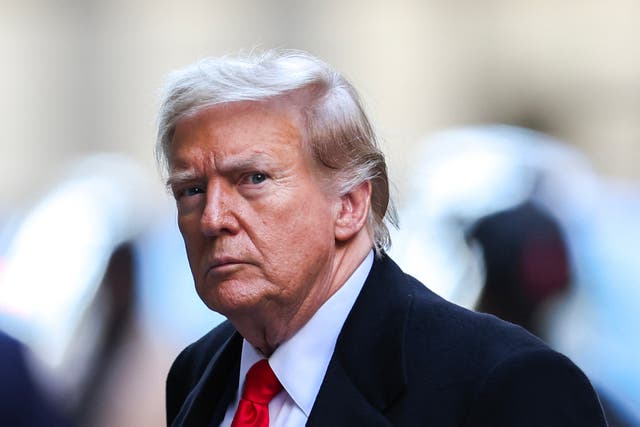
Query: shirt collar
(300, 363)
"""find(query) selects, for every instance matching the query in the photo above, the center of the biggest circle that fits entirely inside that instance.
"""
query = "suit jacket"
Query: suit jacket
(405, 357)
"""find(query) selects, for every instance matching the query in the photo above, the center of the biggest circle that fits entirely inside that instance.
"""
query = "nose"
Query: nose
(220, 214)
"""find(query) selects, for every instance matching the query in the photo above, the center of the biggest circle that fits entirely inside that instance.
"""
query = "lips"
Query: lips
(223, 264)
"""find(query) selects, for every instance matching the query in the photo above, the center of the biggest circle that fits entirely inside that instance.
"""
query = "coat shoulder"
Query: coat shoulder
(197, 355)
(536, 387)
(463, 334)
(487, 370)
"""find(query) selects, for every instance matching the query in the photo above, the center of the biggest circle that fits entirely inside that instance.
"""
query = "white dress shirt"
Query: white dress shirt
(301, 362)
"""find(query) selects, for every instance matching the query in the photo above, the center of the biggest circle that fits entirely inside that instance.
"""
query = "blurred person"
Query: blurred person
(282, 196)
(67, 288)
(115, 303)
(527, 268)
(526, 264)
(23, 402)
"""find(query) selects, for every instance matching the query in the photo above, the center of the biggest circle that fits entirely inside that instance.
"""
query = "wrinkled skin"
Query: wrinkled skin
(267, 242)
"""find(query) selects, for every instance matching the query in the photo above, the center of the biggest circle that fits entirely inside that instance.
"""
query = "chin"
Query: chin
(229, 298)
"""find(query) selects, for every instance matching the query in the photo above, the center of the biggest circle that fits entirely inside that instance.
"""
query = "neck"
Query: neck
(266, 327)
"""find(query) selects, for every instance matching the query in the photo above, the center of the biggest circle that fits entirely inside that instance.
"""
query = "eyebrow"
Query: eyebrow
(180, 177)
(239, 162)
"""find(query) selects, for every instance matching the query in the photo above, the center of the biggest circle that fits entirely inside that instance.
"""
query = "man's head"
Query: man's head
(335, 127)
(276, 172)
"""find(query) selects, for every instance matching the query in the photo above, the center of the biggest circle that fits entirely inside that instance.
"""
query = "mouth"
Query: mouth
(223, 265)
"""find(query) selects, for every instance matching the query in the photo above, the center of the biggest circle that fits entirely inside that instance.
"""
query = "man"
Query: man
(282, 195)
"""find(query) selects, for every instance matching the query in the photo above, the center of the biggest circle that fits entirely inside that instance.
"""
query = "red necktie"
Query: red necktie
(260, 386)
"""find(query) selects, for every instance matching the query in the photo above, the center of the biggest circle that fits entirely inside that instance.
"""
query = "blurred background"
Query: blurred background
(512, 131)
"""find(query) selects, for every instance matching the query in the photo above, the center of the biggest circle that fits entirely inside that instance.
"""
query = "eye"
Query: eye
(192, 191)
(188, 192)
(257, 178)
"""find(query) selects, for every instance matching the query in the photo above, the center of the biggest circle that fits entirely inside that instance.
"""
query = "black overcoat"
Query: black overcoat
(405, 357)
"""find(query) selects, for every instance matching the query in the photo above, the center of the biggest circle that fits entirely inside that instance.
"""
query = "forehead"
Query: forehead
(235, 128)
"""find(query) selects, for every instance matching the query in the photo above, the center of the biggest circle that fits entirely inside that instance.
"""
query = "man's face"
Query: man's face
(257, 223)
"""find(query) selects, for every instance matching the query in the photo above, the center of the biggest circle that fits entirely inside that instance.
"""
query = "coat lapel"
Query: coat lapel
(209, 399)
(340, 403)
(367, 372)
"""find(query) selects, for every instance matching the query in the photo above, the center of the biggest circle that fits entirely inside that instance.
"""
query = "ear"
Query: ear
(353, 212)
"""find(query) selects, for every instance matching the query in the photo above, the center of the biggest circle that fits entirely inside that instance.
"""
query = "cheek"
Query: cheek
(187, 232)
(298, 239)
(189, 223)
(192, 238)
